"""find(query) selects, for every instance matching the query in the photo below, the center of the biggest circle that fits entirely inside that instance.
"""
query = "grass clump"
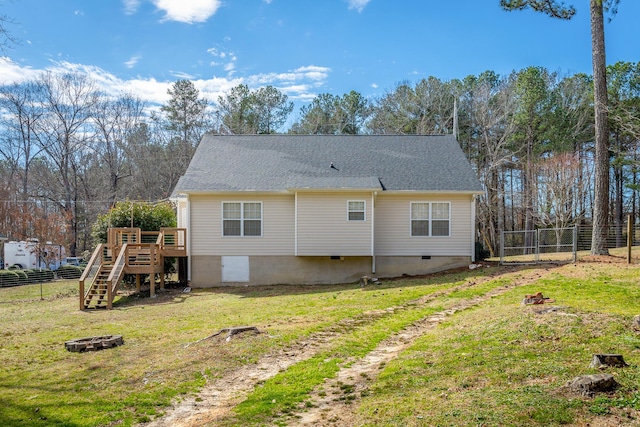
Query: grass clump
(497, 363)
(41, 384)
(505, 364)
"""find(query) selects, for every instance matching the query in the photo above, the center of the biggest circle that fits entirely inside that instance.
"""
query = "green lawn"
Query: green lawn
(505, 364)
(498, 363)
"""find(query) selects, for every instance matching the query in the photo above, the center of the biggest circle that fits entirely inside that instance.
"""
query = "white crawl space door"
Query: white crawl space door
(235, 268)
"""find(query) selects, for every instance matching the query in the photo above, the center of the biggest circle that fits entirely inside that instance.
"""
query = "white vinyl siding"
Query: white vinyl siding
(277, 226)
(325, 230)
(393, 226)
(430, 219)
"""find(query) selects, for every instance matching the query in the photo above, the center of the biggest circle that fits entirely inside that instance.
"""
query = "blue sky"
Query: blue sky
(302, 47)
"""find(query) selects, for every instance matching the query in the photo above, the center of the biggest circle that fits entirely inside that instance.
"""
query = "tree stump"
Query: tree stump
(603, 360)
(239, 329)
(589, 385)
(536, 298)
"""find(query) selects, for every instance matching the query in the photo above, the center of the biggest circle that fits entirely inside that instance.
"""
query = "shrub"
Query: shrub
(22, 277)
(32, 275)
(69, 272)
(9, 278)
(39, 275)
(48, 274)
(146, 216)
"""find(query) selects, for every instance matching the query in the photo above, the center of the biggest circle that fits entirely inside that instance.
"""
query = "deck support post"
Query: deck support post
(162, 281)
(152, 284)
(138, 283)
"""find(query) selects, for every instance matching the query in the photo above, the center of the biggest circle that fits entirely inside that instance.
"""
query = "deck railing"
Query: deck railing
(132, 251)
(174, 241)
(90, 273)
(116, 275)
(142, 255)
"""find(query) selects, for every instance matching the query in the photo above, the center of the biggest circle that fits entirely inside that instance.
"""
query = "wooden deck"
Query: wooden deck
(128, 251)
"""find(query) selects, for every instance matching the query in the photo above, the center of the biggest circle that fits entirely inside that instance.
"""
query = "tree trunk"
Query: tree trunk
(601, 185)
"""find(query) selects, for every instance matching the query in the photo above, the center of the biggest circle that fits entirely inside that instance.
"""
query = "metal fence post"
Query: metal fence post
(575, 243)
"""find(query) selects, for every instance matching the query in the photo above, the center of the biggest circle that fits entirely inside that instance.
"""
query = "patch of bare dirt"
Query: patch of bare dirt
(604, 259)
(618, 417)
(331, 403)
(217, 399)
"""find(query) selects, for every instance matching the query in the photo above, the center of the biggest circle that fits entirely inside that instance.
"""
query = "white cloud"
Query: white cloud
(299, 84)
(216, 86)
(78, 13)
(374, 85)
(130, 6)
(229, 66)
(181, 75)
(132, 62)
(311, 72)
(358, 5)
(14, 73)
(189, 12)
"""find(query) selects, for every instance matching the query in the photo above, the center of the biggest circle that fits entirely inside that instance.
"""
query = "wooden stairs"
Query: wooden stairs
(97, 295)
(128, 251)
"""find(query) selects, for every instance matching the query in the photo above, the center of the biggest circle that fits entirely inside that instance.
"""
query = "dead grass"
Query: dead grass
(495, 363)
(41, 384)
(616, 256)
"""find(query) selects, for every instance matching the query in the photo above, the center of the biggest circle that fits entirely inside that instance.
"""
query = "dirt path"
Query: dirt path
(332, 404)
(328, 408)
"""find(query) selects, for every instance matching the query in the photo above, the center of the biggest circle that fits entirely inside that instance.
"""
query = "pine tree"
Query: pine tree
(557, 9)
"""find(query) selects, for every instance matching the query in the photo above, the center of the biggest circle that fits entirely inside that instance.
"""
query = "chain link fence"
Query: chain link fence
(545, 245)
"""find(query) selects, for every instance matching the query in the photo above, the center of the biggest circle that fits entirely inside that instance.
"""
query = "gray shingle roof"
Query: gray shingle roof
(287, 162)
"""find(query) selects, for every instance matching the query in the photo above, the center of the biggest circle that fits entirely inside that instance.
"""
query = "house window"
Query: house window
(430, 219)
(242, 218)
(356, 210)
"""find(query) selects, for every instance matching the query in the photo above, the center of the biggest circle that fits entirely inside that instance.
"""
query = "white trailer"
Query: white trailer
(29, 254)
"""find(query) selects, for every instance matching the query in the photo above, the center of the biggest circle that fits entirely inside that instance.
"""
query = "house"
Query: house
(313, 209)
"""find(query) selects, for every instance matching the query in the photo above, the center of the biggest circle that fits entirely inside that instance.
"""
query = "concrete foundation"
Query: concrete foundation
(292, 270)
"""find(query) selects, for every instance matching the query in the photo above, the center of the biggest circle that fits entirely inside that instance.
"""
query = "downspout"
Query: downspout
(473, 228)
(295, 224)
(373, 234)
(187, 225)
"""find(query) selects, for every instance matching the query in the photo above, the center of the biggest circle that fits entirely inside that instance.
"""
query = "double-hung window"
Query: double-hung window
(430, 219)
(356, 210)
(242, 218)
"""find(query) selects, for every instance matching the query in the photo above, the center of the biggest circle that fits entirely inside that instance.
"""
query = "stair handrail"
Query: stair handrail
(90, 273)
(116, 274)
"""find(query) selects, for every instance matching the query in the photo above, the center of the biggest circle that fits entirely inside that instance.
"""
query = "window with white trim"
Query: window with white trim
(356, 210)
(242, 218)
(430, 219)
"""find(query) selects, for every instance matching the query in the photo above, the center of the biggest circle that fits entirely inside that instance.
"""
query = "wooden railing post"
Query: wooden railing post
(116, 273)
(81, 292)
(109, 295)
